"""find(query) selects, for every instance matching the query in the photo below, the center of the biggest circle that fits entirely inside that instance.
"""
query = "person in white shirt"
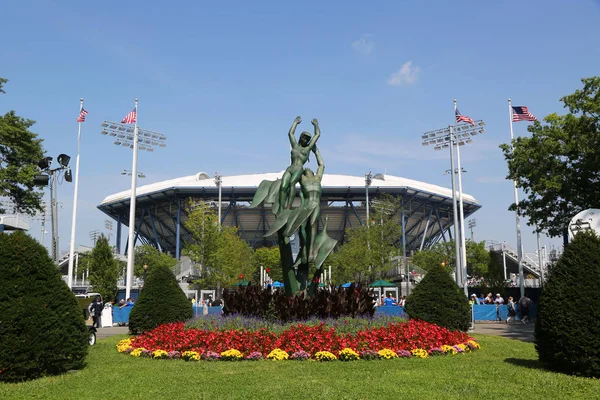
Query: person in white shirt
(498, 301)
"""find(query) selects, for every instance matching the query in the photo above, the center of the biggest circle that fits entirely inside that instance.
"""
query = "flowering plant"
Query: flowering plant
(277, 355)
(173, 355)
(160, 354)
(473, 345)
(146, 353)
(124, 345)
(210, 356)
(420, 353)
(449, 349)
(436, 351)
(254, 356)
(190, 356)
(232, 355)
(387, 354)
(458, 349)
(464, 347)
(325, 356)
(137, 352)
(369, 355)
(300, 355)
(348, 354)
(404, 354)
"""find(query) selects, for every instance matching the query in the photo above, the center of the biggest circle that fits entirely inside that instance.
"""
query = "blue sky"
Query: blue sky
(224, 80)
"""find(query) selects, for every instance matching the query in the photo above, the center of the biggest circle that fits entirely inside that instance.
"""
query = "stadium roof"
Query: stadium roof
(161, 207)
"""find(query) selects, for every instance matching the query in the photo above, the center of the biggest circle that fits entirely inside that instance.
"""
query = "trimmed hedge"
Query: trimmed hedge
(437, 299)
(42, 331)
(567, 328)
(161, 301)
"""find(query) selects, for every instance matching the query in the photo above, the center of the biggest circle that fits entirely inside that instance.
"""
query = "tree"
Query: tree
(104, 269)
(42, 331)
(20, 151)
(368, 252)
(150, 255)
(444, 253)
(161, 301)
(567, 323)
(268, 257)
(203, 225)
(438, 300)
(558, 167)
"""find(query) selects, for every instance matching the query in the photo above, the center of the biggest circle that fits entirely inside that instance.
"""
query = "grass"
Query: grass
(503, 368)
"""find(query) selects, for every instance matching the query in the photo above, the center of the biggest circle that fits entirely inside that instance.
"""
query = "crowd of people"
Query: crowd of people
(524, 306)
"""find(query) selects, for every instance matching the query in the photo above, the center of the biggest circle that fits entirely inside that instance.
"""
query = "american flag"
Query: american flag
(463, 118)
(82, 115)
(130, 118)
(521, 113)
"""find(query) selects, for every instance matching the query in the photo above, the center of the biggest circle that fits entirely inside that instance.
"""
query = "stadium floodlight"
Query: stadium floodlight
(128, 173)
(130, 136)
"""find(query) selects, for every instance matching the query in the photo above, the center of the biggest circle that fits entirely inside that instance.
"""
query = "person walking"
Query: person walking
(96, 311)
(511, 309)
(524, 304)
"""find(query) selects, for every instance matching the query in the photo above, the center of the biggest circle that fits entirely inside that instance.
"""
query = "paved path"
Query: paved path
(515, 330)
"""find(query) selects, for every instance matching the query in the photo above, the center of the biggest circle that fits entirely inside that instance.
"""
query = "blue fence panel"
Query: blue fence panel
(396, 311)
(121, 315)
(211, 310)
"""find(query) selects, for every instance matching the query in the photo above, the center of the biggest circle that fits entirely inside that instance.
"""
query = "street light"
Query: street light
(145, 273)
(128, 173)
(218, 182)
(472, 224)
(368, 181)
(43, 179)
(450, 137)
(134, 138)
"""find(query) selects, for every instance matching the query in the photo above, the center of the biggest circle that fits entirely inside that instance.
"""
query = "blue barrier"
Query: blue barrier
(211, 310)
(482, 312)
(395, 311)
(121, 315)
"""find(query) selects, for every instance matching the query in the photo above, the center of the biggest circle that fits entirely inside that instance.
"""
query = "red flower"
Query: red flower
(241, 276)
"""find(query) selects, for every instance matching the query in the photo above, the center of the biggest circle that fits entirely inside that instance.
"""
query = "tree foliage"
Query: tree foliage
(150, 255)
(161, 301)
(268, 257)
(104, 269)
(567, 323)
(558, 167)
(223, 255)
(438, 300)
(20, 151)
(444, 253)
(367, 253)
(42, 331)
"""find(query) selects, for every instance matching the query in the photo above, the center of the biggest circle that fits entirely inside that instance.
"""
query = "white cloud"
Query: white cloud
(364, 45)
(407, 75)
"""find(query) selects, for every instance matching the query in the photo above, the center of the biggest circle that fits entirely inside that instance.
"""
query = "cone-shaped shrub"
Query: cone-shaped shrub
(42, 331)
(161, 301)
(567, 328)
(437, 299)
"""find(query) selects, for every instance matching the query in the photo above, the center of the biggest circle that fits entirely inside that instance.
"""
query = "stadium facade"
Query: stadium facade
(161, 208)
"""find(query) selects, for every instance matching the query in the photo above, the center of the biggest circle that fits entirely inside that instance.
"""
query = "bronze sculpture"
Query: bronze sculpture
(314, 246)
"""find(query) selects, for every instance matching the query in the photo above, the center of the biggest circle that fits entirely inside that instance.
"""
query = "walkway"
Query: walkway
(514, 330)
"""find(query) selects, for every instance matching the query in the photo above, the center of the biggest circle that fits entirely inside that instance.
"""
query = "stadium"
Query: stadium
(161, 208)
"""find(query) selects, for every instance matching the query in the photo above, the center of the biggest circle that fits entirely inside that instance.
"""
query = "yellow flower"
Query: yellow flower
(420, 353)
(277, 355)
(232, 355)
(190, 356)
(464, 347)
(348, 354)
(474, 344)
(137, 352)
(325, 356)
(123, 345)
(387, 354)
(159, 354)
(449, 349)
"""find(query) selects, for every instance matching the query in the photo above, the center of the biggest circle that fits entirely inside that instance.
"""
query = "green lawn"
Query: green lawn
(502, 369)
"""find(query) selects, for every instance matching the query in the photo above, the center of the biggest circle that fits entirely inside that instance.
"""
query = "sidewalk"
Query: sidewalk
(514, 330)
(111, 331)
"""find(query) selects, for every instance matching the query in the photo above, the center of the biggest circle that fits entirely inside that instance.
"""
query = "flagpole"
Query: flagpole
(461, 217)
(76, 191)
(130, 249)
(458, 266)
(518, 220)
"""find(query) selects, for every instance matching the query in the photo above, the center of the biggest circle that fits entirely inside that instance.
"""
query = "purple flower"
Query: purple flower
(210, 356)
(436, 351)
(458, 349)
(255, 356)
(404, 354)
(174, 354)
(300, 355)
(146, 353)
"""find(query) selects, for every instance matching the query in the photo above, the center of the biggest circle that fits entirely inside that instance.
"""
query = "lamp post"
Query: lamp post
(145, 273)
(472, 224)
(134, 138)
(218, 182)
(450, 137)
(49, 177)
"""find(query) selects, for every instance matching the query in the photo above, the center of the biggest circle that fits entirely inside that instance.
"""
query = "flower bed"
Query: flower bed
(298, 342)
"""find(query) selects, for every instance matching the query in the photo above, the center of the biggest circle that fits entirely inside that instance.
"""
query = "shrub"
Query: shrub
(567, 323)
(339, 302)
(438, 300)
(161, 301)
(42, 331)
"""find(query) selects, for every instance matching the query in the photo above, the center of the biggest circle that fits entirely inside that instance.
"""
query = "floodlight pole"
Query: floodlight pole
(458, 265)
(218, 181)
(54, 217)
(74, 219)
(463, 244)
(368, 180)
(130, 249)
